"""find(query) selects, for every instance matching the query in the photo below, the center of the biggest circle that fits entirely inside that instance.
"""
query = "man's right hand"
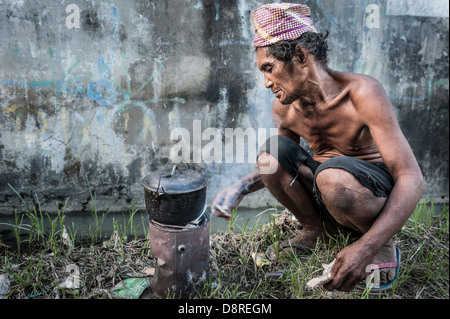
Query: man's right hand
(226, 200)
(229, 198)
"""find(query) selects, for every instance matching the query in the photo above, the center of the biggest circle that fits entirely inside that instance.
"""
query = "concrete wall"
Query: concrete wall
(98, 102)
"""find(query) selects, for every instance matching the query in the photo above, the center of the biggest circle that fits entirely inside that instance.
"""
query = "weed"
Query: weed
(38, 272)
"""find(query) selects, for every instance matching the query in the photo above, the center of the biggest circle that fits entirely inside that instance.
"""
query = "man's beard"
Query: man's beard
(289, 99)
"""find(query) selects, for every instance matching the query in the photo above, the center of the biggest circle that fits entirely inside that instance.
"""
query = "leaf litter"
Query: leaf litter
(95, 270)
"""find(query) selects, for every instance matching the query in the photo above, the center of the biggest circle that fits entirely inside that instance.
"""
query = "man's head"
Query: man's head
(314, 43)
(283, 27)
(276, 22)
(286, 32)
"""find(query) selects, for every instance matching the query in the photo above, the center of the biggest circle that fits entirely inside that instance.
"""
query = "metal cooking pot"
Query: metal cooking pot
(176, 197)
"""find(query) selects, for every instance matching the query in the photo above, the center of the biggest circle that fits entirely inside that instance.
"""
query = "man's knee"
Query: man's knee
(267, 164)
(348, 201)
(283, 151)
(337, 188)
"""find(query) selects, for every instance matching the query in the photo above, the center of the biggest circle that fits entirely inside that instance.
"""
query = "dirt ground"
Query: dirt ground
(38, 274)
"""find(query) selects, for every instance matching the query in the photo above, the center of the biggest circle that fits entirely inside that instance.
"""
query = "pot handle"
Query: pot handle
(182, 159)
(174, 168)
(159, 181)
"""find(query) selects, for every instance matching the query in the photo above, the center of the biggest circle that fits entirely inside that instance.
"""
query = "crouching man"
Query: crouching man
(363, 177)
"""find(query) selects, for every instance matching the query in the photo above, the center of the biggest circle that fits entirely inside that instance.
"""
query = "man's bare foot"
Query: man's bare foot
(387, 254)
(304, 243)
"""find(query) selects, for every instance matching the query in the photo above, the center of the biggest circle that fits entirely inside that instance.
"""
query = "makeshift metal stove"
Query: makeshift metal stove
(178, 229)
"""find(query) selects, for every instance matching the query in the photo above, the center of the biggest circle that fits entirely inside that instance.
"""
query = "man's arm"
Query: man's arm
(230, 197)
(250, 183)
(376, 111)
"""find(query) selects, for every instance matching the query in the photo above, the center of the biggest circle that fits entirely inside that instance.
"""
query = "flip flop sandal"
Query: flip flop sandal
(286, 244)
(387, 285)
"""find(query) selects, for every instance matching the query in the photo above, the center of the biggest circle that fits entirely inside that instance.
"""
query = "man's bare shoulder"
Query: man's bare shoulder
(363, 89)
(369, 99)
(357, 83)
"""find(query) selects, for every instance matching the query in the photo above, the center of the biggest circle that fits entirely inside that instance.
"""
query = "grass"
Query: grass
(47, 252)
(424, 272)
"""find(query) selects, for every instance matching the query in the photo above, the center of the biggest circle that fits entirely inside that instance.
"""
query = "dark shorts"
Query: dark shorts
(290, 155)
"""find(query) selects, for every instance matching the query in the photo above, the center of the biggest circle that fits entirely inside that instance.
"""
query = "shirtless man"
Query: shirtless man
(363, 177)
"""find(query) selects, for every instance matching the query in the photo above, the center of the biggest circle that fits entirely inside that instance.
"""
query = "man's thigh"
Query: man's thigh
(292, 157)
(353, 191)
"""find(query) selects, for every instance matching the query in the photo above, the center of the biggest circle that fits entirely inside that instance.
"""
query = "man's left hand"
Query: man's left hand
(349, 268)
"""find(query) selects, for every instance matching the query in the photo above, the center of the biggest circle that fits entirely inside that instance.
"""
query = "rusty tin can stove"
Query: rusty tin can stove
(180, 245)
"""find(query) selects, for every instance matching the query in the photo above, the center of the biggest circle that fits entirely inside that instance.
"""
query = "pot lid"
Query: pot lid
(177, 181)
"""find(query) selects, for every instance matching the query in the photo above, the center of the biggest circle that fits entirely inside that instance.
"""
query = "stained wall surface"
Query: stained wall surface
(97, 100)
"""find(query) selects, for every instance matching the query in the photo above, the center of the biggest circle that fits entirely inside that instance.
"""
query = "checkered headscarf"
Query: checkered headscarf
(281, 21)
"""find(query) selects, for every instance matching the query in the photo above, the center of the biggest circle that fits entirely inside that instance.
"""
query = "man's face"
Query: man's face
(284, 84)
